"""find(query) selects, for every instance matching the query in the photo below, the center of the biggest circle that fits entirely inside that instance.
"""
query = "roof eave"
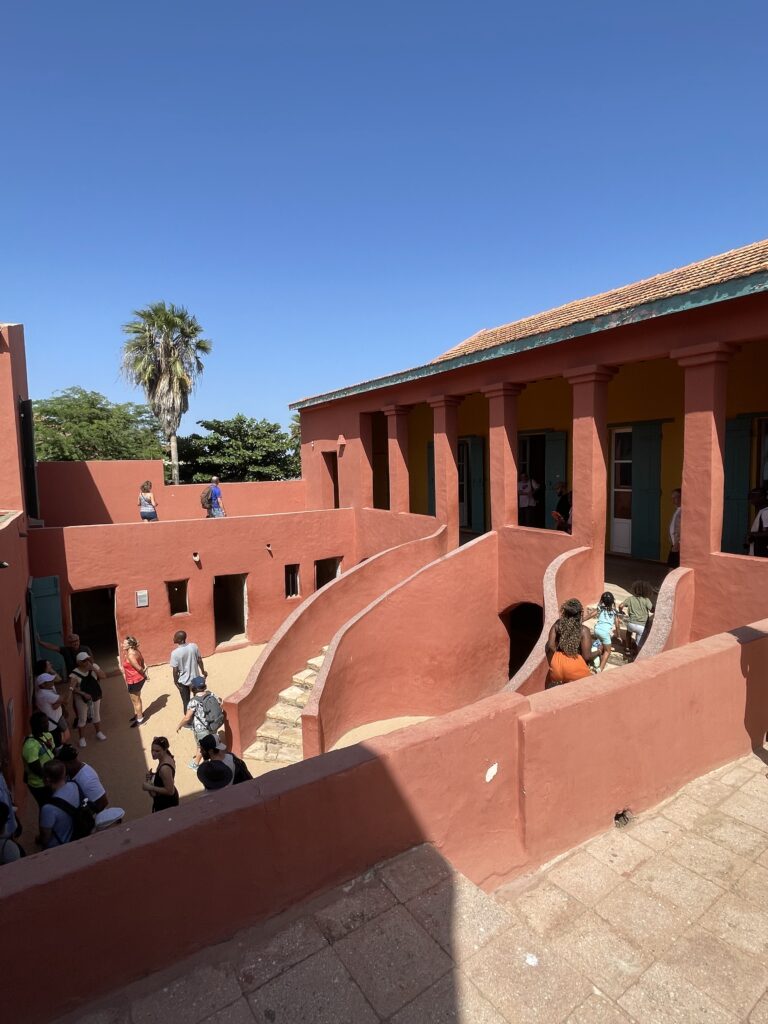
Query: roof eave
(725, 291)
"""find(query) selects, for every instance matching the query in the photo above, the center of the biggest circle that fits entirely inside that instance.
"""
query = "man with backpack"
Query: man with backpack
(84, 777)
(186, 663)
(66, 815)
(213, 751)
(211, 500)
(204, 714)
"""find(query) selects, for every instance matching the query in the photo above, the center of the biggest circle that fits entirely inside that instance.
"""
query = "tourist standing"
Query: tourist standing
(204, 714)
(147, 503)
(85, 778)
(186, 664)
(48, 701)
(85, 685)
(216, 506)
(562, 511)
(135, 675)
(758, 534)
(526, 499)
(212, 750)
(161, 784)
(57, 824)
(9, 848)
(37, 751)
(673, 560)
(569, 645)
(69, 651)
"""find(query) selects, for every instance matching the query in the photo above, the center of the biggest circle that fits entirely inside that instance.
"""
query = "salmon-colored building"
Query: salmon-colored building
(402, 551)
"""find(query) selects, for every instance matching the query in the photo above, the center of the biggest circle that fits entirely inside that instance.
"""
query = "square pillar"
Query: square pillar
(365, 461)
(706, 378)
(590, 450)
(397, 452)
(446, 436)
(502, 452)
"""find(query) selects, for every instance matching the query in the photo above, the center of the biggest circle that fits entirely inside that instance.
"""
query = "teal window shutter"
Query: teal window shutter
(430, 478)
(646, 490)
(736, 466)
(45, 605)
(477, 484)
(555, 470)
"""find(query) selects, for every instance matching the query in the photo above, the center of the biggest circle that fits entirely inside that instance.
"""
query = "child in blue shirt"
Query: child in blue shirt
(606, 627)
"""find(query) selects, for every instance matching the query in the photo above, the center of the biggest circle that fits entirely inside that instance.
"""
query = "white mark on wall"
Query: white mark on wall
(490, 775)
(532, 960)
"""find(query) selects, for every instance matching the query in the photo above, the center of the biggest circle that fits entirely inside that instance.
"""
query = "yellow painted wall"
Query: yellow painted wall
(653, 391)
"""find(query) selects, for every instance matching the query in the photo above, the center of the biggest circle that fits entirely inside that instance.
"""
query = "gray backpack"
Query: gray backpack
(209, 714)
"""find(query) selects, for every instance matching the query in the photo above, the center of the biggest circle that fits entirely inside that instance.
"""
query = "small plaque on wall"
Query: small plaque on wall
(142, 599)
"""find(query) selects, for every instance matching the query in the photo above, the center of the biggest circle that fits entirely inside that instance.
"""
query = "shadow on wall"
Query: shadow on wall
(71, 486)
(754, 667)
(401, 915)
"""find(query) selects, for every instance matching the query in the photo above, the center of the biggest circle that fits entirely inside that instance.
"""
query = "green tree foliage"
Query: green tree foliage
(77, 424)
(238, 449)
(163, 355)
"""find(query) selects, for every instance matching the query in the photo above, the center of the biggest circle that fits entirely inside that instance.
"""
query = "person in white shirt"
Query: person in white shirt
(85, 778)
(48, 701)
(758, 533)
(526, 499)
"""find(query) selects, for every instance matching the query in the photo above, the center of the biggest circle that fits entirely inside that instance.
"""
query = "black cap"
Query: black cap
(214, 774)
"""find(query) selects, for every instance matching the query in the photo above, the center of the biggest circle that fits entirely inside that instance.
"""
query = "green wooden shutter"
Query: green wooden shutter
(45, 601)
(430, 478)
(646, 489)
(477, 485)
(736, 465)
(555, 470)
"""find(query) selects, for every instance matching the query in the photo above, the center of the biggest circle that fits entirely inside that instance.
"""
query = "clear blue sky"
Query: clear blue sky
(340, 190)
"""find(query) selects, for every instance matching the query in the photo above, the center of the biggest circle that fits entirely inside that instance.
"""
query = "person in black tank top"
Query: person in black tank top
(160, 783)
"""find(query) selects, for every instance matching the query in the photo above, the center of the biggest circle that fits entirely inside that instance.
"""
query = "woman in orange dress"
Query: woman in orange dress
(569, 646)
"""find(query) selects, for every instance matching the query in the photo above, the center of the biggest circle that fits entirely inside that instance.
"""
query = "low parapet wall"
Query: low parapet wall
(536, 775)
(673, 615)
(100, 492)
(317, 619)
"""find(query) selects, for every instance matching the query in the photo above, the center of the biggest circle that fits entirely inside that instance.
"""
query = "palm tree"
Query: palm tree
(163, 355)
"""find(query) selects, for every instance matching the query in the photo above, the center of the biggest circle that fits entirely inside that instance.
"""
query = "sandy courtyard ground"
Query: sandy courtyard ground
(123, 759)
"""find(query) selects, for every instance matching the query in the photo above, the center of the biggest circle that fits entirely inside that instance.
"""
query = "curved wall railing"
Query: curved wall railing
(315, 621)
(673, 617)
(564, 578)
(432, 643)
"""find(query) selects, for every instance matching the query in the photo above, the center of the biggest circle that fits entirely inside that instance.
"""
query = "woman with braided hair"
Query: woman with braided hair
(569, 645)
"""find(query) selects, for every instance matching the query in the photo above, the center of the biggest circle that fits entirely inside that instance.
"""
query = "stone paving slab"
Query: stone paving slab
(662, 922)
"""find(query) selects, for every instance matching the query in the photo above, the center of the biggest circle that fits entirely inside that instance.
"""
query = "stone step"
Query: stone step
(277, 734)
(315, 664)
(305, 679)
(284, 714)
(295, 695)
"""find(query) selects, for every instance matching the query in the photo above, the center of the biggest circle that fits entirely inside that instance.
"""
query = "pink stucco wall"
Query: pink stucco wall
(138, 556)
(14, 687)
(312, 625)
(632, 741)
(432, 643)
(13, 386)
(86, 493)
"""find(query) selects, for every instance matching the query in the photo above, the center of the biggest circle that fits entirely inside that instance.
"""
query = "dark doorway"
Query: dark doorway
(229, 606)
(326, 569)
(532, 461)
(93, 619)
(523, 624)
(380, 460)
(331, 460)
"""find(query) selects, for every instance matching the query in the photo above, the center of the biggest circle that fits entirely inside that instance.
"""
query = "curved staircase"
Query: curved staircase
(279, 737)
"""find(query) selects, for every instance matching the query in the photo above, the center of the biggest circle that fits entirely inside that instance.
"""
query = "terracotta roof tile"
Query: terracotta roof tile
(738, 263)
